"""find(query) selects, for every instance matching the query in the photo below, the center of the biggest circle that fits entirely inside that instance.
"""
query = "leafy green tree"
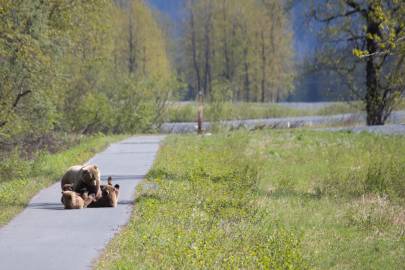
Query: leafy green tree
(65, 65)
(364, 41)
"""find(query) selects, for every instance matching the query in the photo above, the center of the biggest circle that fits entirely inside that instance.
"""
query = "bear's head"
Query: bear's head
(90, 175)
(109, 195)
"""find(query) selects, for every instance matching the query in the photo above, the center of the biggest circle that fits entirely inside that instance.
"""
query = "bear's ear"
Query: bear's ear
(117, 186)
(95, 167)
(109, 180)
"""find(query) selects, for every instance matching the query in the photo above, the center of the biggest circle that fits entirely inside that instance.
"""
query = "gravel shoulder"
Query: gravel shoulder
(45, 236)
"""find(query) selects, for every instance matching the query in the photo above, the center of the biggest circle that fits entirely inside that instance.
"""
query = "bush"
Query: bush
(13, 167)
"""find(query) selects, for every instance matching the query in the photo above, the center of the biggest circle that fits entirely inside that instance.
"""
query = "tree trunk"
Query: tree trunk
(227, 73)
(264, 62)
(247, 79)
(374, 99)
(131, 46)
(207, 54)
(194, 52)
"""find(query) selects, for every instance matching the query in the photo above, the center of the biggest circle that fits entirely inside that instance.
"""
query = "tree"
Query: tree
(364, 38)
(64, 67)
(246, 45)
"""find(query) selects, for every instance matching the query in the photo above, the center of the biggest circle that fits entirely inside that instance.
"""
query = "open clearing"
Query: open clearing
(290, 199)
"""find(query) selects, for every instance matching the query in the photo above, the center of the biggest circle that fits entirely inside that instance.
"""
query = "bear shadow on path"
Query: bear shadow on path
(48, 206)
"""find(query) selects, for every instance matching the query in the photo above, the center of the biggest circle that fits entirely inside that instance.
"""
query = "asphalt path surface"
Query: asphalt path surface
(46, 236)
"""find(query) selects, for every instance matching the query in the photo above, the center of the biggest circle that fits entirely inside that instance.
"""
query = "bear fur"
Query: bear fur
(109, 197)
(74, 200)
(83, 178)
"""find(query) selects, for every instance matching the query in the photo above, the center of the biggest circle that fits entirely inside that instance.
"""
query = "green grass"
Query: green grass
(42, 171)
(243, 110)
(269, 199)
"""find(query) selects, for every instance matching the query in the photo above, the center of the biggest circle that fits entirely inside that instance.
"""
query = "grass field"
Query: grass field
(186, 112)
(30, 176)
(269, 199)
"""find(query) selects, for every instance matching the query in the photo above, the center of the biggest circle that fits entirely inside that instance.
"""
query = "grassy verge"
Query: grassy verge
(243, 110)
(178, 112)
(42, 171)
(269, 199)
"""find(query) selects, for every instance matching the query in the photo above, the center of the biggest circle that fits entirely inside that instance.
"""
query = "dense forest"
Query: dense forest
(238, 50)
(106, 66)
(80, 67)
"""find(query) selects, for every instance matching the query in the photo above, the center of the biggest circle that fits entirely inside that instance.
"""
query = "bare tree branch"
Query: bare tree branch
(19, 96)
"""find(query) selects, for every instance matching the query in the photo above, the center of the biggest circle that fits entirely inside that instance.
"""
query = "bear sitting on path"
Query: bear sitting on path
(109, 197)
(83, 178)
(74, 200)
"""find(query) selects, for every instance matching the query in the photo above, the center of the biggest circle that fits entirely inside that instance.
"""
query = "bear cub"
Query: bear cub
(109, 195)
(74, 200)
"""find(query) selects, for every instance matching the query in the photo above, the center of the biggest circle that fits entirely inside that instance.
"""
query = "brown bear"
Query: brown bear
(109, 196)
(83, 178)
(74, 200)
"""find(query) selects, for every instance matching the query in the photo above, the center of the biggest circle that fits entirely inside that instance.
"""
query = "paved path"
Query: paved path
(45, 236)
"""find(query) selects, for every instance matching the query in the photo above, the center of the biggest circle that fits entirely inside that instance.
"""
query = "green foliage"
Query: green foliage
(369, 56)
(93, 118)
(64, 66)
(13, 167)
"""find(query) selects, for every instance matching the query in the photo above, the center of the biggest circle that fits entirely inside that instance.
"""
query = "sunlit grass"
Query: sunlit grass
(281, 198)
